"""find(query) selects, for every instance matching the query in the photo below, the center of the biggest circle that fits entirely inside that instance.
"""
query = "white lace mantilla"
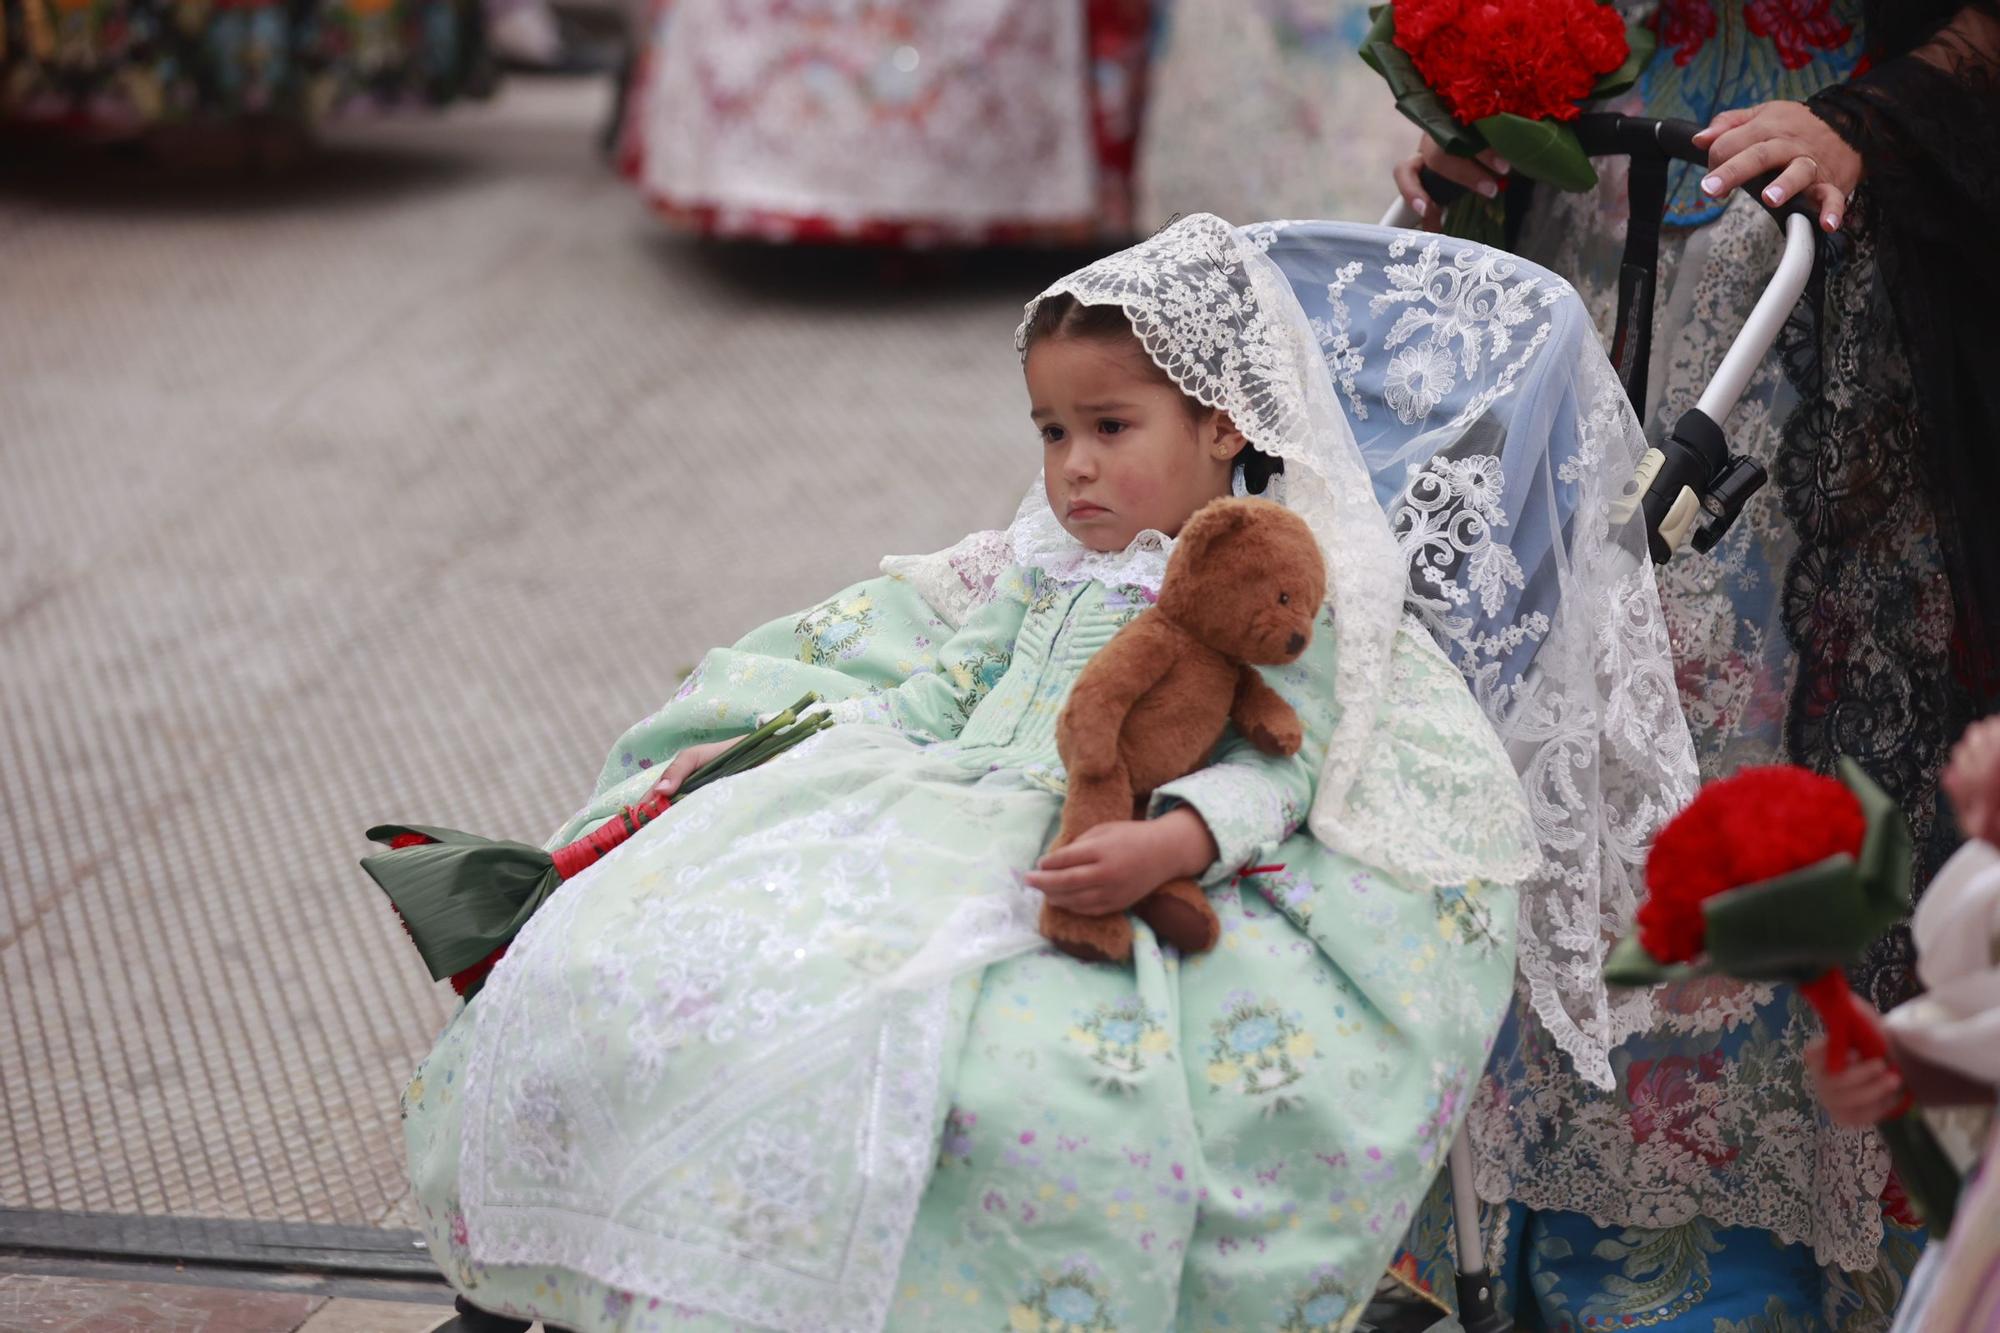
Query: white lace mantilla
(1507, 413)
(1219, 318)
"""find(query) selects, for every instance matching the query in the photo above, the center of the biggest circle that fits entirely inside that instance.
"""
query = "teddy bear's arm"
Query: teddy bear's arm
(1135, 660)
(1263, 716)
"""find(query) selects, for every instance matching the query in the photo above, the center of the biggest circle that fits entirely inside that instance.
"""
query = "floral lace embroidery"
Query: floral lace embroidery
(1468, 313)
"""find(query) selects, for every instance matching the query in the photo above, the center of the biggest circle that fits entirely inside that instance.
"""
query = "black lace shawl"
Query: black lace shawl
(1890, 468)
(1926, 120)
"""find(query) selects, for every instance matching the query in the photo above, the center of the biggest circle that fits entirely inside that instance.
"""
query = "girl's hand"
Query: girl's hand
(1865, 1092)
(1811, 160)
(686, 762)
(1972, 780)
(1111, 867)
(1483, 174)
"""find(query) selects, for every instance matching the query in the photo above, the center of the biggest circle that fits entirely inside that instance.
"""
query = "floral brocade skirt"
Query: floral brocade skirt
(1232, 1141)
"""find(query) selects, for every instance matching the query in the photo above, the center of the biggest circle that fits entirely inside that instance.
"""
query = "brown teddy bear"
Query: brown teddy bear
(1243, 587)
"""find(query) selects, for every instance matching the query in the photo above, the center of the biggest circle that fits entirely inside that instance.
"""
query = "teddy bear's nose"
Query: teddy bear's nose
(1296, 644)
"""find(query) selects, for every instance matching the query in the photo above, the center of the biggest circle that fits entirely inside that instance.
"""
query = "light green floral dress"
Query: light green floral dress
(1229, 1141)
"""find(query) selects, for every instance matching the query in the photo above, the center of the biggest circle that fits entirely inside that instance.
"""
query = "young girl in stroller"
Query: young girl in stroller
(793, 1057)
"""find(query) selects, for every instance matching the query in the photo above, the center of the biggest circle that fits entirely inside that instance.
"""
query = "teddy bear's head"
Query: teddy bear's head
(1246, 578)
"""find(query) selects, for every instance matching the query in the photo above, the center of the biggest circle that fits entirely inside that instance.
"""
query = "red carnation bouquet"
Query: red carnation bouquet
(1780, 874)
(1507, 75)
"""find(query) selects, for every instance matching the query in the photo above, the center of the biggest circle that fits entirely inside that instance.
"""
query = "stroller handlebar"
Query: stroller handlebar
(1608, 134)
(1612, 134)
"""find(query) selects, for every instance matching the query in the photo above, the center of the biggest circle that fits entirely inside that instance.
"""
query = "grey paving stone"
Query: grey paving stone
(395, 489)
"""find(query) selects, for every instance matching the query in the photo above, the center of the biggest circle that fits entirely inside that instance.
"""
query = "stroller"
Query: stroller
(1466, 314)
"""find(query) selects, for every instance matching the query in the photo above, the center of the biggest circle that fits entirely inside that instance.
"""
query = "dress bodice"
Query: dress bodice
(1063, 626)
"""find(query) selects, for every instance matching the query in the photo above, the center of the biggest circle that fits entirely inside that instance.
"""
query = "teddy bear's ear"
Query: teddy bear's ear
(1214, 521)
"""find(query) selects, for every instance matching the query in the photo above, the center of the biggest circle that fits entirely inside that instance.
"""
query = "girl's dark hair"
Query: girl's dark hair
(1063, 316)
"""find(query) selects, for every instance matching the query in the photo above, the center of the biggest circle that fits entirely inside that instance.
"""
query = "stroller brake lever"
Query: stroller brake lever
(1727, 494)
(1689, 479)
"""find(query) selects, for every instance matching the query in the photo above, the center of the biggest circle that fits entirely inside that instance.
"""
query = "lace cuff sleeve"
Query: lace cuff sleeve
(1250, 803)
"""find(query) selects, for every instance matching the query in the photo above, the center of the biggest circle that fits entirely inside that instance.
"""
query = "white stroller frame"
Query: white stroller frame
(1690, 486)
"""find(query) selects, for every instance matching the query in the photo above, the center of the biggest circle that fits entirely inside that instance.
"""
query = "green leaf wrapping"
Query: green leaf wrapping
(463, 896)
(1887, 856)
(1424, 108)
(1792, 927)
(1543, 150)
(1628, 964)
(1640, 42)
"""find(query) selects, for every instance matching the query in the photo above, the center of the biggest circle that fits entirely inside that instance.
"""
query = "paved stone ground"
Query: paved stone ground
(38, 1303)
(395, 487)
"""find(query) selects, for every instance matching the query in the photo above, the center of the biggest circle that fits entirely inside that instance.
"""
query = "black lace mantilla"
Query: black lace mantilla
(1866, 602)
(1890, 468)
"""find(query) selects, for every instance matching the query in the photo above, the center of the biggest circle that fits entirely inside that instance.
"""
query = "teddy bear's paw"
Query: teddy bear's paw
(1181, 915)
(1094, 939)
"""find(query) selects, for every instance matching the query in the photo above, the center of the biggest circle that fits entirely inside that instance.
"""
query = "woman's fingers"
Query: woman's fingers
(1861, 1094)
(1482, 174)
(1755, 128)
(1467, 172)
(1724, 122)
(1410, 185)
(1862, 1074)
(1799, 176)
(1829, 204)
(1752, 162)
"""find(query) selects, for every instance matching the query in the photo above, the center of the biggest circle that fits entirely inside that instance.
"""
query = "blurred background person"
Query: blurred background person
(259, 71)
(918, 122)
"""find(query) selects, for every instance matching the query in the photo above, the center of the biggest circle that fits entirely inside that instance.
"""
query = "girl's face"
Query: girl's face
(1121, 451)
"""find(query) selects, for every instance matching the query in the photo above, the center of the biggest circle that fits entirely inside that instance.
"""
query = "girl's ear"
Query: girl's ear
(1223, 440)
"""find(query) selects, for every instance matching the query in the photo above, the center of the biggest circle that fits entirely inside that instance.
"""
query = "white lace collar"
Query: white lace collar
(1039, 541)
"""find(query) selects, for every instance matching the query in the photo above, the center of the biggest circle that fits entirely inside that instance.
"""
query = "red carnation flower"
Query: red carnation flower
(1534, 58)
(1417, 21)
(1759, 824)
